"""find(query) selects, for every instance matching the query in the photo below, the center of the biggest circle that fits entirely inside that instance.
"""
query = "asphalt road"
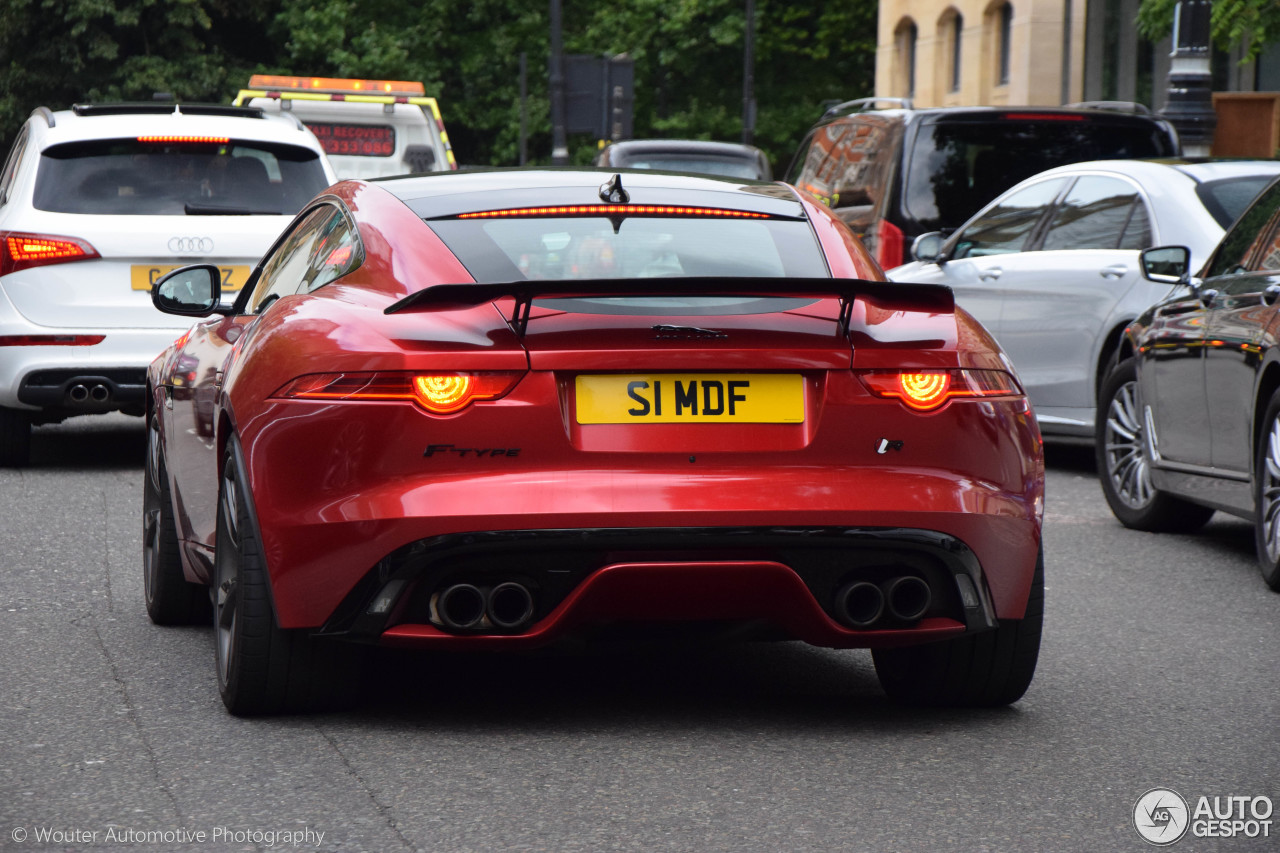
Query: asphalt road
(1159, 669)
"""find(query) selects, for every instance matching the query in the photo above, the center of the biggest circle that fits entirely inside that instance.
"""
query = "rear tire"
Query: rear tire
(170, 598)
(1266, 485)
(1124, 471)
(15, 438)
(985, 670)
(264, 669)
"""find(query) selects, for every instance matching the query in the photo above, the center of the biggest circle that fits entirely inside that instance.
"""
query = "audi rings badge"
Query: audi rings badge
(190, 245)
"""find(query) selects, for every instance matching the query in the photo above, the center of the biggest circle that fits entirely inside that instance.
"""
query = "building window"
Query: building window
(1006, 33)
(957, 36)
(906, 54)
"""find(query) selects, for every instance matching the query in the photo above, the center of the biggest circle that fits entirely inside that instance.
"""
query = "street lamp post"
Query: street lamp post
(749, 77)
(1190, 92)
(559, 136)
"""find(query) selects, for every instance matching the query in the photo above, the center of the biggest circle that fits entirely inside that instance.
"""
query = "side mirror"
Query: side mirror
(1167, 265)
(928, 247)
(193, 291)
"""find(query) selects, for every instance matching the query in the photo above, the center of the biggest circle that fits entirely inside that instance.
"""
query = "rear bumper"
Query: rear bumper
(772, 581)
(112, 373)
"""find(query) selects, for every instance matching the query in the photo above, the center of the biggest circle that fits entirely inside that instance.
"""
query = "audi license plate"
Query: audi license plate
(144, 275)
(691, 398)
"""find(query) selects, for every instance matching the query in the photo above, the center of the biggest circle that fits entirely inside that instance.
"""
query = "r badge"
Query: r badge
(886, 445)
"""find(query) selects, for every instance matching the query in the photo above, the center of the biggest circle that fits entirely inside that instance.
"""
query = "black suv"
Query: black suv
(894, 174)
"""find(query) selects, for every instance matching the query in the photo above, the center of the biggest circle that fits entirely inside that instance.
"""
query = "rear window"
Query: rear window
(586, 247)
(1227, 199)
(957, 167)
(133, 177)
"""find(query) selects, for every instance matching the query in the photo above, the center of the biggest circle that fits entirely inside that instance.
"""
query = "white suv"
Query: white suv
(98, 201)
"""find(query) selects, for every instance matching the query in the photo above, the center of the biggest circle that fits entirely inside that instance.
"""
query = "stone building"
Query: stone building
(1038, 52)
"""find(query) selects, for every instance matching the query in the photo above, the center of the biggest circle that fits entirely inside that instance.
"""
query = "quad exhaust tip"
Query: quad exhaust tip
(861, 604)
(505, 607)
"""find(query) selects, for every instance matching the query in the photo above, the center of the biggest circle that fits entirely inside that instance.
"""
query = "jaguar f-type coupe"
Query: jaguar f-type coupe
(498, 410)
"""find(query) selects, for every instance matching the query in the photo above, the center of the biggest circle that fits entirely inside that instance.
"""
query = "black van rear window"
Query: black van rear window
(958, 166)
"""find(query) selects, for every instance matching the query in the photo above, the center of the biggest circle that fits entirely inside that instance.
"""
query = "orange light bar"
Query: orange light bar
(926, 390)
(438, 393)
(186, 140)
(613, 210)
(337, 84)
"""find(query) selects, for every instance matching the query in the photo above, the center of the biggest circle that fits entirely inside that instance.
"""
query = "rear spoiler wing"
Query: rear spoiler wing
(933, 298)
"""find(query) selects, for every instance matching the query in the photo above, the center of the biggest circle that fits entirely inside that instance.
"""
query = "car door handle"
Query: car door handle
(1113, 272)
(991, 273)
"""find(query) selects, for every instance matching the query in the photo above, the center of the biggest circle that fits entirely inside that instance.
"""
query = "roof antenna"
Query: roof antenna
(612, 191)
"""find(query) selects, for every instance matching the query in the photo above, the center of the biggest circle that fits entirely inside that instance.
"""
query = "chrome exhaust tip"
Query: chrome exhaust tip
(908, 597)
(859, 604)
(510, 606)
(460, 606)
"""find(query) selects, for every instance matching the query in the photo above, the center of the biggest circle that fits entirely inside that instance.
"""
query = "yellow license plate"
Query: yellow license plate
(691, 398)
(144, 275)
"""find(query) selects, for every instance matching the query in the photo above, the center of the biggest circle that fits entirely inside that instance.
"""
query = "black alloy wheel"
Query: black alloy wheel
(1124, 468)
(15, 438)
(1266, 483)
(170, 598)
(985, 670)
(264, 669)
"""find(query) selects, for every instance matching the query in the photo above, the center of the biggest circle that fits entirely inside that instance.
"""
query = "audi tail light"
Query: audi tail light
(438, 393)
(926, 390)
(20, 250)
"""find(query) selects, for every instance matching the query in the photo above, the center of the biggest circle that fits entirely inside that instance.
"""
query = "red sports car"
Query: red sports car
(492, 410)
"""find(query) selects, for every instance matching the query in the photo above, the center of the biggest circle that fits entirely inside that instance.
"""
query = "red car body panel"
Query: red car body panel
(338, 486)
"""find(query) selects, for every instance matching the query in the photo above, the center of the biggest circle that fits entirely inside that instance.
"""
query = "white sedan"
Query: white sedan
(1050, 267)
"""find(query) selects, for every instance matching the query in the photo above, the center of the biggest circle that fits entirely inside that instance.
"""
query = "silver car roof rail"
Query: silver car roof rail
(861, 105)
(1114, 106)
(46, 114)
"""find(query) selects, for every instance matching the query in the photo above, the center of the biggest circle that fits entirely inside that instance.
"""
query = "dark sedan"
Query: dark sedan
(1192, 421)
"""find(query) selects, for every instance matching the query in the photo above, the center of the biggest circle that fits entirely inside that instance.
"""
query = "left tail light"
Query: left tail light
(889, 245)
(20, 251)
(926, 390)
(438, 393)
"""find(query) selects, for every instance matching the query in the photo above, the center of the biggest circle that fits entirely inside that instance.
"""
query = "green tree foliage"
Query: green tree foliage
(688, 59)
(1252, 24)
(59, 52)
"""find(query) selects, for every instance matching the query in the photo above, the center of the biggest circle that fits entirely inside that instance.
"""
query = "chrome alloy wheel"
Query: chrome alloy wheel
(226, 598)
(1269, 493)
(1126, 459)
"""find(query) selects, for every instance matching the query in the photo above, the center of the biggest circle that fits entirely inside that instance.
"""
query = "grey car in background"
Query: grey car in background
(1051, 268)
(703, 157)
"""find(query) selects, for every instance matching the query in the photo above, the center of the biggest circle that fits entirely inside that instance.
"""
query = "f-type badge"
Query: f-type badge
(886, 445)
